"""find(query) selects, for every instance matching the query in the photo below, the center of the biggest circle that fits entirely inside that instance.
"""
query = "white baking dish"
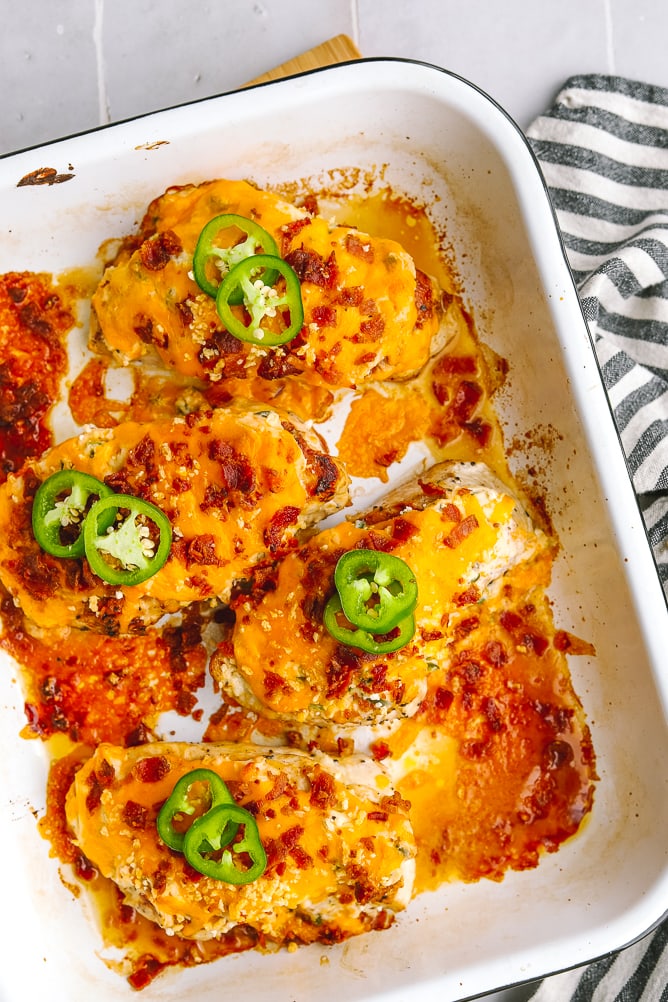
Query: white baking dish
(439, 139)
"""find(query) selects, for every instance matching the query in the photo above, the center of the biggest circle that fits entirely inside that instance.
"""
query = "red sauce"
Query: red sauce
(34, 322)
(95, 688)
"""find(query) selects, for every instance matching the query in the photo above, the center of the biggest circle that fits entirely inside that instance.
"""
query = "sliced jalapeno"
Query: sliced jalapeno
(340, 628)
(196, 793)
(136, 544)
(221, 246)
(59, 510)
(272, 312)
(212, 848)
(377, 590)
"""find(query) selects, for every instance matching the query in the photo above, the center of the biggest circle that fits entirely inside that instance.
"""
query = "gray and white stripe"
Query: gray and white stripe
(603, 150)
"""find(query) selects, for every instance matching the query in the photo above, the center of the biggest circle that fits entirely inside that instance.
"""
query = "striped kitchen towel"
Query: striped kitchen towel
(603, 150)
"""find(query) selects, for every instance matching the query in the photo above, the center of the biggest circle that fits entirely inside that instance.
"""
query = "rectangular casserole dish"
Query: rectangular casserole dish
(438, 139)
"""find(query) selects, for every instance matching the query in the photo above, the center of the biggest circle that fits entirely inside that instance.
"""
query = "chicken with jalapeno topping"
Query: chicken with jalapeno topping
(336, 840)
(368, 313)
(463, 535)
(235, 485)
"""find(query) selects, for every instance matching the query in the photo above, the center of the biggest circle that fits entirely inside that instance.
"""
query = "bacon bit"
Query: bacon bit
(365, 358)
(278, 849)
(106, 773)
(443, 699)
(340, 670)
(469, 597)
(510, 621)
(94, 795)
(451, 513)
(152, 769)
(567, 643)
(436, 704)
(480, 430)
(380, 750)
(364, 888)
(236, 470)
(146, 970)
(395, 803)
(277, 365)
(135, 815)
(376, 541)
(143, 454)
(461, 531)
(279, 787)
(279, 522)
(202, 550)
(324, 316)
(33, 328)
(323, 790)
(534, 643)
(424, 298)
(156, 252)
(301, 857)
(312, 267)
(430, 635)
(358, 248)
(495, 653)
(274, 683)
(373, 328)
(466, 399)
(456, 365)
(290, 230)
(214, 497)
(145, 331)
(465, 627)
(492, 712)
(377, 815)
(185, 312)
(350, 296)
(403, 530)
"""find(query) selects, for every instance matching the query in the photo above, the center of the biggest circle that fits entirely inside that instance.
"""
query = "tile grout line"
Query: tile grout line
(609, 36)
(355, 21)
(104, 112)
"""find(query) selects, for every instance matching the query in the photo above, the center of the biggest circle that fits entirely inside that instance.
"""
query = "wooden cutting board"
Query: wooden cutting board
(335, 50)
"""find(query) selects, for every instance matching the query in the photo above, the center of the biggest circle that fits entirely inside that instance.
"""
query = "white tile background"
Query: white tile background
(72, 65)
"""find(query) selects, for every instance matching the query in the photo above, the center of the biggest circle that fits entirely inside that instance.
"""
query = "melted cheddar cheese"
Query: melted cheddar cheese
(339, 845)
(369, 314)
(477, 755)
(462, 534)
(237, 484)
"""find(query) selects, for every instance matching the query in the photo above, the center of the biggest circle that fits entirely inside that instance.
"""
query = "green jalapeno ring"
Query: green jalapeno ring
(364, 640)
(62, 501)
(129, 544)
(377, 590)
(261, 300)
(225, 258)
(213, 832)
(180, 805)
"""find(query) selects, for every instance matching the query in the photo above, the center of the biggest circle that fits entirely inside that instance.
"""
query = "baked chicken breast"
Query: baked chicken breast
(236, 483)
(369, 314)
(339, 846)
(461, 531)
